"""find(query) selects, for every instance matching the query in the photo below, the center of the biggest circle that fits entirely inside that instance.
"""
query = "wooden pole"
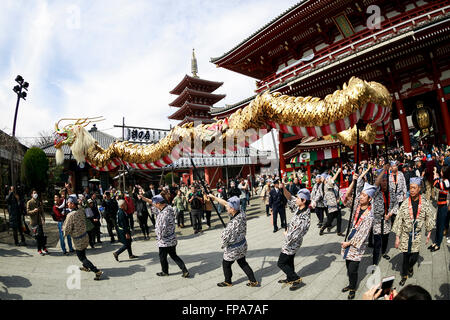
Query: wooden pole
(309, 175)
(276, 155)
(356, 182)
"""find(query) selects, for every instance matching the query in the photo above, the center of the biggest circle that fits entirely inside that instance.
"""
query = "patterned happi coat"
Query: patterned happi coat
(378, 210)
(331, 196)
(233, 234)
(165, 227)
(75, 227)
(317, 195)
(403, 224)
(297, 229)
(399, 188)
(358, 242)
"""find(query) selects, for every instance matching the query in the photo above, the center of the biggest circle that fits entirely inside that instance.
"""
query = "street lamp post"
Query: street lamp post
(21, 94)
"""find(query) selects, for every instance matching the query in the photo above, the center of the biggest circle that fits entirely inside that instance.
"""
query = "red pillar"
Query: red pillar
(191, 174)
(403, 123)
(444, 111)
(281, 152)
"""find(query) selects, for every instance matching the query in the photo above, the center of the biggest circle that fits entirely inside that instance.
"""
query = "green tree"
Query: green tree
(168, 178)
(35, 169)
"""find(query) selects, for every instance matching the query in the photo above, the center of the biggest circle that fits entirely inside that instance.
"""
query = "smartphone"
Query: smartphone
(386, 285)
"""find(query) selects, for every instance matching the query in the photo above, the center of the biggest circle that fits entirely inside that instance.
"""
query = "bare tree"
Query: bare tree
(45, 138)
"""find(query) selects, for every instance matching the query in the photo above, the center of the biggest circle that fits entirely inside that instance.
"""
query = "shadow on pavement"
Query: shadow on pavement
(13, 282)
(119, 272)
(397, 261)
(444, 292)
(13, 253)
(321, 263)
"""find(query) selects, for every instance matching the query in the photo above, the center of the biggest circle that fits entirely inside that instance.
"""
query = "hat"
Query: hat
(369, 189)
(276, 182)
(90, 201)
(415, 180)
(429, 157)
(73, 199)
(158, 199)
(235, 203)
(304, 194)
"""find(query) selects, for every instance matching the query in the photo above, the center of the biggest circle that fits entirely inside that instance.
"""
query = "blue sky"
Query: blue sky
(117, 58)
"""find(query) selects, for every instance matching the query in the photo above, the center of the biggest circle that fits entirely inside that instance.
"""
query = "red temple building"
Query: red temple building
(315, 46)
(195, 98)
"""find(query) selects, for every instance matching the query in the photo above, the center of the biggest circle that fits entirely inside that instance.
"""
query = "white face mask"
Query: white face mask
(35, 195)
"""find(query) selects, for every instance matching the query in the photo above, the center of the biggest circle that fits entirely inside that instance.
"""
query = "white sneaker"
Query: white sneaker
(448, 240)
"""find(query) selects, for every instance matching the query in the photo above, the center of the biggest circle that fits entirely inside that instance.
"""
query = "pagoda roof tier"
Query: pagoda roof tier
(192, 119)
(187, 108)
(196, 96)
(196, 84)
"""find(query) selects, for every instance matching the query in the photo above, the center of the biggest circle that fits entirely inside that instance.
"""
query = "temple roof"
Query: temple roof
(188, 81)
(312, 144)
(276, 20)
(187, 93)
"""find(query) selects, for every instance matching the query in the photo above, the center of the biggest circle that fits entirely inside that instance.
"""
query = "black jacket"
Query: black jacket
(293, 189)
(233, 192)
(111, 207)
(277, 199)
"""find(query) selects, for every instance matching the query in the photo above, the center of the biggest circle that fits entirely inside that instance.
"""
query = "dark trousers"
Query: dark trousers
(152, 219)
(91, 235)
(143, 224)
(180, 217)
(208, 218)
(352, 273)
(131, 219)
(440, 224)
(197, 219)
(409, 260)
(16, 231)
(380, 243)
(330, 218)
(279, 210)
(267, 210)
(226, 265)
(320, 213)
(81, 254)
(41, 239)
(171, 251)
(447, 221)
(126, 246)
(286, 264)
(110, 225)
(97, 231)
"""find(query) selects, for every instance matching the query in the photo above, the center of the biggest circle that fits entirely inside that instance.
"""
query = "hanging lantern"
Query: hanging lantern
(421, 118)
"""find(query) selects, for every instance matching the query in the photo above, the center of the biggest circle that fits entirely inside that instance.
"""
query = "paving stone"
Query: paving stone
(26, 275)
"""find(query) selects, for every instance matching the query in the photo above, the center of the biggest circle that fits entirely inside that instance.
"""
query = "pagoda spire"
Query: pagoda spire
(194, 67)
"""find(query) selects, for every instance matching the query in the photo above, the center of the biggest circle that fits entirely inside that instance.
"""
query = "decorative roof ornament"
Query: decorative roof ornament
(194, 67)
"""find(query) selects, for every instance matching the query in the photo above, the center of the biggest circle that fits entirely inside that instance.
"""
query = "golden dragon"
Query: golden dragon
(337, 114)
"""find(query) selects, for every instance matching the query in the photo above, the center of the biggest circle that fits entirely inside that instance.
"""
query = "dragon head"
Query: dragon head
(75, 136)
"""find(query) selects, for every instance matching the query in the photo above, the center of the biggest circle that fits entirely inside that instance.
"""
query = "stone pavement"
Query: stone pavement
(26, 275)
